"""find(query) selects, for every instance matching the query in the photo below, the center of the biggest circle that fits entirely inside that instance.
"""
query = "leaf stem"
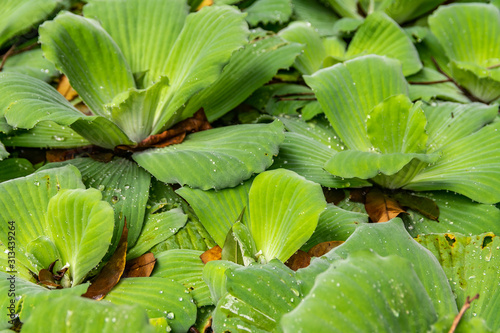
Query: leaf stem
(6, 56)
(459, 316)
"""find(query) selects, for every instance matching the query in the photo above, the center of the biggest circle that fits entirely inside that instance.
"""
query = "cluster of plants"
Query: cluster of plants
(249, 166)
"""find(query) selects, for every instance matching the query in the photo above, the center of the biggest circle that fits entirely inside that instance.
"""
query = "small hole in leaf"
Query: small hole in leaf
(486, 241)
(450, 238)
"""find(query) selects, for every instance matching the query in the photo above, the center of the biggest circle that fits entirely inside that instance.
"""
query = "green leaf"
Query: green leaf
(347, 92)
(78, 314)
(346, 8)
(468, 166)
(321, 17)
(145, 31)
(134, 110)
(26, 293)
(335, 224)
(46, 134)
(314, 51)
(269, 11)
(248, 69)
(467, 34)
(457, 214)
(192, 236)
(365, 293)
(124, 185)
(218, 210)
(159, 297)
(365, 165)
(379, 34)
(204, 46)
(25, 200)
(449, 122)
(397, 126)
(81, 227)
(185, 267)
(307, 157)
(248, 307)
(157, 228)
(31, 63)
(3, 152)
(214, 276)
(31, 101)
(15, 168)
(284, 211)
(471, 264)
(91, 60)
(217, 158)
(403, 11)
(421, 87)
(391, 238)
(19, 16)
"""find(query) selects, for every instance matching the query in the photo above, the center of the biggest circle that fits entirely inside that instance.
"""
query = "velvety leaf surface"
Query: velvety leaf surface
(214, 276)
(157, 228)
(15, 168)
(457, 214)
(269, 11)
(19, 16)
(248, 69)
(185, 267)
(145, 31)
(31, 63)
(91, 60)
(314, 51)
(391, 238)
(124, 185)
(25, 201)
(284, 211)
(159, 297)
(77, 314)
(364, 293)
(321, 17)
(347, 92)
(218, 210)
(204, 46)
(81, 227)
(217, 158)
(469, 166)
(472, 266)
(248, 307)
(379, 34)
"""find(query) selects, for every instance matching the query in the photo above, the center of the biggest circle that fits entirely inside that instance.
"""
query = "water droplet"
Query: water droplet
(170, 315)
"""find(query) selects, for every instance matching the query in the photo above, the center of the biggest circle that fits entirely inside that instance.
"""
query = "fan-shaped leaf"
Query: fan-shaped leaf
(204, 46)
(471, 264)
(15, 168)
(364, 293)
(185, 267)
(314, 52)
(469, 166)
(145, 31)
(284, 211)
(25, 200)
(31, 63)
(321, 17)
(217, 158)
(218, 210)
(159, 297)
(81, 227)
(379, 34)
(91, 60)
(269, 11)
(347, 92)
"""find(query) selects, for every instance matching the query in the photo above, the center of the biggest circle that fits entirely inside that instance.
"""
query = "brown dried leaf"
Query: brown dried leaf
(176, 134)
(111, 272)
(214, 253)
(300, 259)
(323, 248)
(45, 275)
(65, 89)
(380, 207)
(358, 194)
(140, 267)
